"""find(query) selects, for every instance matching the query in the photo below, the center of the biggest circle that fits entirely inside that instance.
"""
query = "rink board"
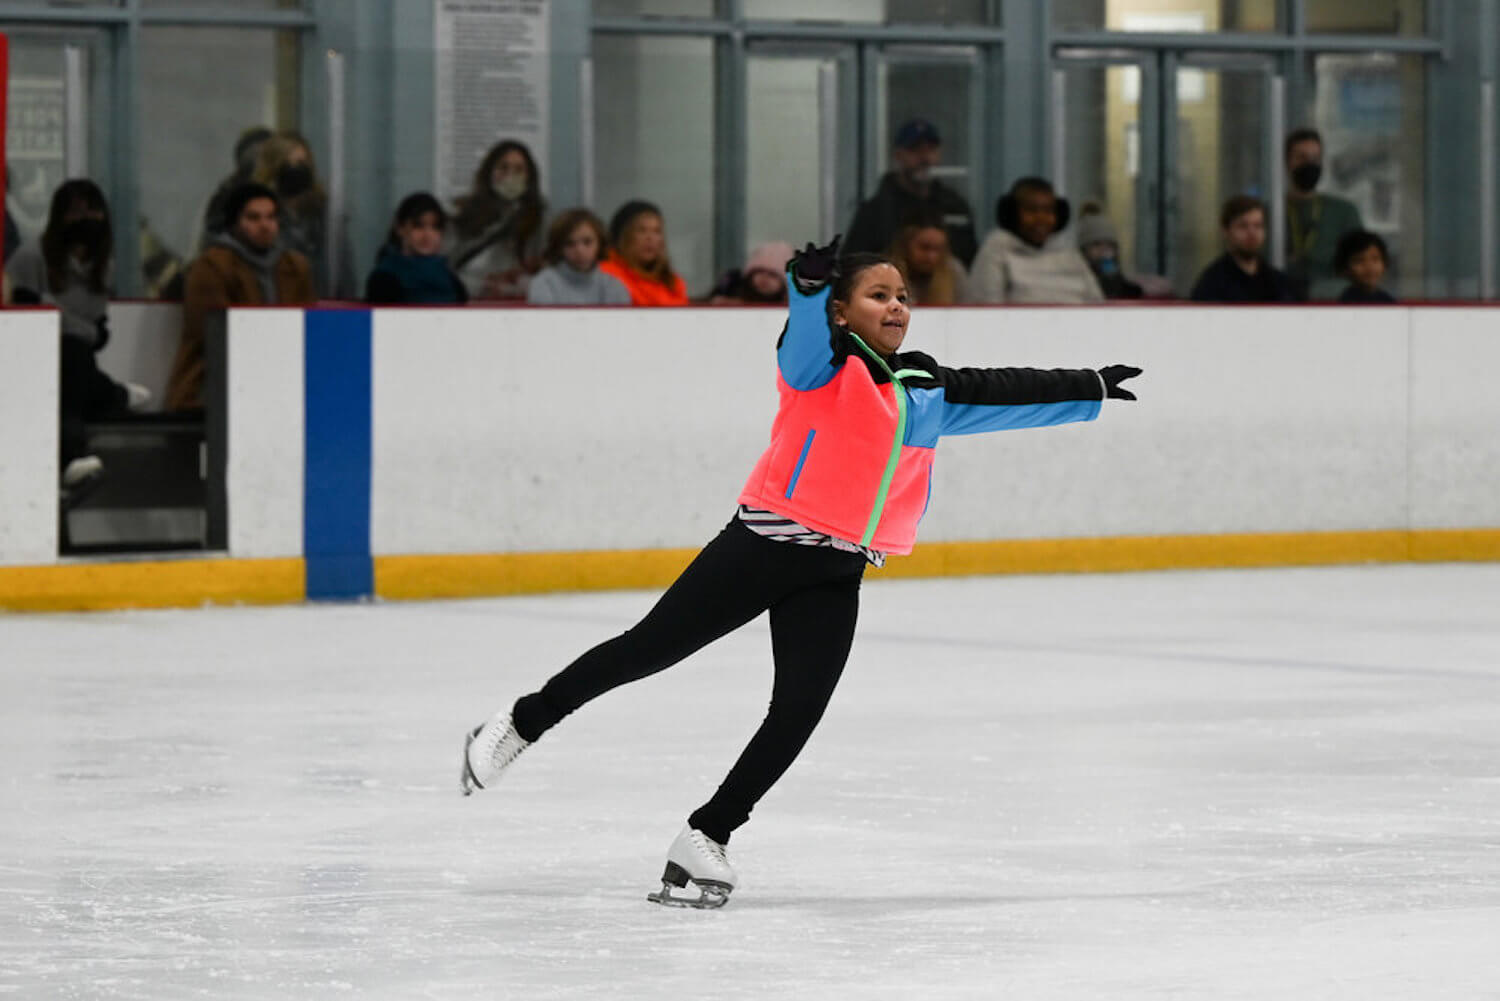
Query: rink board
(425, 453)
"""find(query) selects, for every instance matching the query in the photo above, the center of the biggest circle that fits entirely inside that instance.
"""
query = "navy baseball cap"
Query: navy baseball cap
(917, 132)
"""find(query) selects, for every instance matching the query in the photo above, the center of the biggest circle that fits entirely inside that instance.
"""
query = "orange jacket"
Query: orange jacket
(644, 289)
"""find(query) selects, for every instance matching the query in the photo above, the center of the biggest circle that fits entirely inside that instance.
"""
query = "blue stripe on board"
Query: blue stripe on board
(336, 483)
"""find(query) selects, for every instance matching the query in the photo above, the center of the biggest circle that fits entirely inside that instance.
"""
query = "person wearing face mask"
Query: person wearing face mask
(1024, 260)
(498, 225)
(1099, 243)
(908, 190)
(285, 164)
(1314, 222)
(70, 266)
(410, 267)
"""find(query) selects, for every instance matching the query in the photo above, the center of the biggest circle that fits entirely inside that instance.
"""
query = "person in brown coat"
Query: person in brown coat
(245, 266)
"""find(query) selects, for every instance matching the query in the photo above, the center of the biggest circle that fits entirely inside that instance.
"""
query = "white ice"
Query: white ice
(1256, 784)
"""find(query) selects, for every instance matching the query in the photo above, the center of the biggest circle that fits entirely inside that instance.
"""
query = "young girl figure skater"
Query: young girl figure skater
(842, 485)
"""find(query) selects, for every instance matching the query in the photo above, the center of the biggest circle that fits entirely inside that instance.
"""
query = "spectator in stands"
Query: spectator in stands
(410, 267)
(761, 282)
(1314, 222)
(1025, 260)
(246, 152)
(246, 266)
(1099, 242)
(1242, 274)
(498, 225)
(934, 277)
(575, 245)
(285, 165)
(1362, 258)
(910, 189)
(70, 266)
(639, 258)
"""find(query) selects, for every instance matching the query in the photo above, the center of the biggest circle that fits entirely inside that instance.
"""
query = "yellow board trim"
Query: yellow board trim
(83, 586)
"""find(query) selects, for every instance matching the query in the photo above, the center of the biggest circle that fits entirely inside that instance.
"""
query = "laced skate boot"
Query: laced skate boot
(698, 859)
(488, 751)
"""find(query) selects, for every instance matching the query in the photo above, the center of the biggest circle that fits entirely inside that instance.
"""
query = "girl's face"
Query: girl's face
(1036, 212)
(876, 309)
(1367, 268)
(926, 250)
(645, 241)
(582, 249)
(422, 236)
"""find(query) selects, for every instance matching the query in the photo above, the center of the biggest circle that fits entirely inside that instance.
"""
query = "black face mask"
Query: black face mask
(83, 232)
(293, 179)
(1305, 176)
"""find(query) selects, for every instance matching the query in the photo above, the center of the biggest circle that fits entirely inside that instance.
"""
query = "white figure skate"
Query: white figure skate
(488, 751)
(698, 859)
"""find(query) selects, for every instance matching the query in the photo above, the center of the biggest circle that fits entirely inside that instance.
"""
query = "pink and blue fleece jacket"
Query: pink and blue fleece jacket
(855, 433)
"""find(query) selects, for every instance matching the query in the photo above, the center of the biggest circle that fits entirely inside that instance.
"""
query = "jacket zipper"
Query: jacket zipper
(895, 456)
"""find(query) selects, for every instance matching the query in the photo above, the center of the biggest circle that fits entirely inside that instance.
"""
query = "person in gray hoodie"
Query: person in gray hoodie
(1024, 260)
(575, 243)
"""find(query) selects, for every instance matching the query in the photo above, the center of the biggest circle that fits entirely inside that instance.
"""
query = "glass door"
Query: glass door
(1107, 145)
(1159, 140)
(801, 116)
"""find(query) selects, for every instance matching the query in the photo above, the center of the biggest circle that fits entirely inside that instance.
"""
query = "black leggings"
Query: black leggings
(813, 595)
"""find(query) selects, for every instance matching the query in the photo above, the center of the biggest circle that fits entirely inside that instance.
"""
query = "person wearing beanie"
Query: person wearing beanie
(1099, 242)
(760, 282)
(639, 258)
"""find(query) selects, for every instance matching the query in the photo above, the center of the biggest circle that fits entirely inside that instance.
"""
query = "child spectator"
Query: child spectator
(1023, 261)
(247, 266)
(761, 282)
(575, 244)
(934, 277)
(1099, 242)
(1361, 257)
(410, 267)
(498, 225)
(639, 258)
(70, 266)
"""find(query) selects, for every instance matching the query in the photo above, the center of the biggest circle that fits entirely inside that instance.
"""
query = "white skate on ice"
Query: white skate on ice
(488, 751)
(698, 859)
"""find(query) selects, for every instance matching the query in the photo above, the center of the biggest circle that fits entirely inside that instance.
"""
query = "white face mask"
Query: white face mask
(509, 187)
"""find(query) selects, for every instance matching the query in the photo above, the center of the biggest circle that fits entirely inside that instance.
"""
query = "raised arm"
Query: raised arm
(805, 353)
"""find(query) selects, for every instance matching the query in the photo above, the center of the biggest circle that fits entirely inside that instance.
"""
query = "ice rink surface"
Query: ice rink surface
(1252, 784)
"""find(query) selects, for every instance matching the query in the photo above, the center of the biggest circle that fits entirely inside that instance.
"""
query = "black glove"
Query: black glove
(815, 267)
(101, 333)
(1113, 375)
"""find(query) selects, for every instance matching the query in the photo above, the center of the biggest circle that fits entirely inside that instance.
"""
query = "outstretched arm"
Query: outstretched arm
(994, 399)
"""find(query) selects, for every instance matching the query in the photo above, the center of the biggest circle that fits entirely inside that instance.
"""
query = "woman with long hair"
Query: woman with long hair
(498, 224)
(934, 276)
(639, 256)
(71, 266)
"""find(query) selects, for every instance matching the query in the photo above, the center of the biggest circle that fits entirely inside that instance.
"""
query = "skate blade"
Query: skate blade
(467, 783)
(711, 896)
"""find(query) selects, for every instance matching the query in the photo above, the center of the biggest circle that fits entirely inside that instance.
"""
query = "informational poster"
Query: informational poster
(34, 148)
(492, 83)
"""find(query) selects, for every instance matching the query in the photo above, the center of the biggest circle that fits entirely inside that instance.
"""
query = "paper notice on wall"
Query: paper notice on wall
(493, 66)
